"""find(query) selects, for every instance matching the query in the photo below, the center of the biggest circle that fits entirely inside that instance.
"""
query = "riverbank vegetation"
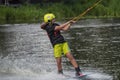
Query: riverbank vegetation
(63, 10)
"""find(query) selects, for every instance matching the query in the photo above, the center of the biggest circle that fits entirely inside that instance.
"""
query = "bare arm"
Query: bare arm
(65, 26)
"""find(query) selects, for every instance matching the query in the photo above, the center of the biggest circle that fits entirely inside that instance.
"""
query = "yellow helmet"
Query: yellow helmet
(48, 17)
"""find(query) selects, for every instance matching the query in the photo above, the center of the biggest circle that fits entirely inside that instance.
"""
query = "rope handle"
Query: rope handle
(82, 14)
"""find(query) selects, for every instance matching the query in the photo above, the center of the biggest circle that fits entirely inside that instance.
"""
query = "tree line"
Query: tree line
(34, 10)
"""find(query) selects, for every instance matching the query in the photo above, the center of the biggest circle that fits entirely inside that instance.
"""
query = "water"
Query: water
(27, 54)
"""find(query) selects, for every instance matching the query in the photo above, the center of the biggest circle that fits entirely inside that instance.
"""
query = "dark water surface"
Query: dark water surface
(26, 52)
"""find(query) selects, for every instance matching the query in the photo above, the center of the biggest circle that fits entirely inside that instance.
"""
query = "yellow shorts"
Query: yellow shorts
(60, 49)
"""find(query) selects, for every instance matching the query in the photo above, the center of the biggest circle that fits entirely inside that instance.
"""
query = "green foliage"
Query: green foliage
(64, 9)
(114, 8)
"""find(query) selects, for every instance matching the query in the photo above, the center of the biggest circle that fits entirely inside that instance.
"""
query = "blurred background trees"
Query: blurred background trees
(63, 9)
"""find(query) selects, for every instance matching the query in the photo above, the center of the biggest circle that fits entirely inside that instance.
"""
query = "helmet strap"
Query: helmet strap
(49, 22)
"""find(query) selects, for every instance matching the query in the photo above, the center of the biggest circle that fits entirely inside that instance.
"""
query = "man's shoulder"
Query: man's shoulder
(43, 25)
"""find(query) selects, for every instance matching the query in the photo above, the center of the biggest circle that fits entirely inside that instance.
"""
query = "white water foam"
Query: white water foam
(22, 69)
(98, 76)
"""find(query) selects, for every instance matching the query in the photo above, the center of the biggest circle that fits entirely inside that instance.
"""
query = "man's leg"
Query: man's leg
(68, 54)
(59, 65)
(72, 60)
(57, 55)
(74, 63)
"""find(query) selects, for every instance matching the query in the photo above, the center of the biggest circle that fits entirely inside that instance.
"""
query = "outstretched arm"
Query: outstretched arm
(65, 26)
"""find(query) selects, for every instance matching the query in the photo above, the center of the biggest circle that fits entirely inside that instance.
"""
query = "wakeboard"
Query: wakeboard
(84, 77)
(80, 77)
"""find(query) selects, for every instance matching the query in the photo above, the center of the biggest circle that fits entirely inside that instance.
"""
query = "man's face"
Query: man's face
(53, 20)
